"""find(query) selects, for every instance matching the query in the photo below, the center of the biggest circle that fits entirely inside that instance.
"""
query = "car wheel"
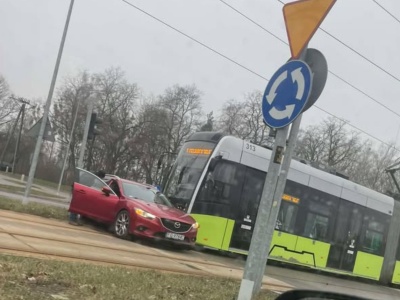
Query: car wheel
(121, 225)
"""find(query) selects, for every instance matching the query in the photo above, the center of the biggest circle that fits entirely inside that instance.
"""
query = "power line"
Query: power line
(195, 40)
(347, 123)
(254, 22)
(365, 94)
(334, 74)
(354, 50)
(247, 69)
(361, 55)
(388, 12)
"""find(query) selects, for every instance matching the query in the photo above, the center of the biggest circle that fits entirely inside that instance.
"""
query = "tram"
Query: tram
(325, 221)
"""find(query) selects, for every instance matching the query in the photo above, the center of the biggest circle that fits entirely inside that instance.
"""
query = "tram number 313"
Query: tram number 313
(250, 147)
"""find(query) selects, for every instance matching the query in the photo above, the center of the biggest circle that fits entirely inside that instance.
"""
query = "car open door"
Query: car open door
(90, 199)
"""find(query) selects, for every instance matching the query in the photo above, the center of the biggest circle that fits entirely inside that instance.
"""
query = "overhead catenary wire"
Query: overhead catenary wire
(353, 50)
(334, 74)
(246, 68)
(194, 40)
(351, 125)
(387, 11)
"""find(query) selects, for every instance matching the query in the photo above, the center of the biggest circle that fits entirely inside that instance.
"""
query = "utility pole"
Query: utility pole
(18, 138)
(38, 146)
(85, 133)
(10, 136)
(24, 103)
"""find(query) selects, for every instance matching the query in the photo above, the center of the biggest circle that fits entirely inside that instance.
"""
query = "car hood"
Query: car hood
(166, 212)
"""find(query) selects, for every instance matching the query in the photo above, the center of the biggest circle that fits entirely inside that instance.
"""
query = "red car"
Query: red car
(131, 208)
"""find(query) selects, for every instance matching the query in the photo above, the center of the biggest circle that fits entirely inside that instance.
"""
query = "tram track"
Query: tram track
(52, 222)
(70, 246)
(120, 249)
(191, 268)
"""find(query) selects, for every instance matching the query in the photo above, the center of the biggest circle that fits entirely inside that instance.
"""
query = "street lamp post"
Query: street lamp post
(38, 146)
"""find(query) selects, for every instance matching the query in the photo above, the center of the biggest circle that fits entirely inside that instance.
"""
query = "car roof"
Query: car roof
(148, 186)
(111, 176)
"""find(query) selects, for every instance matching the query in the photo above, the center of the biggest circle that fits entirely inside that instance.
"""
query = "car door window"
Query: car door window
(88, 179)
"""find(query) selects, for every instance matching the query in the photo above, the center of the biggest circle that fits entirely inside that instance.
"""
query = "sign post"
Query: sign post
(285, 98)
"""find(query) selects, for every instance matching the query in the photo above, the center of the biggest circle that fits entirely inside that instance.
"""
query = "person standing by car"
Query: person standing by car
(74, 219)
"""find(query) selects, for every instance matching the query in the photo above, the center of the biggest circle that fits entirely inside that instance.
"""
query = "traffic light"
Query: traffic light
(93, 126)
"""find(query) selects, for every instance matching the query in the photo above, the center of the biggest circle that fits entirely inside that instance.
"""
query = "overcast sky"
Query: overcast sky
(106, 33)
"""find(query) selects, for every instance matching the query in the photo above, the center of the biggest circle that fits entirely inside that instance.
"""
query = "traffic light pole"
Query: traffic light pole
(67, 151)
(85, 133)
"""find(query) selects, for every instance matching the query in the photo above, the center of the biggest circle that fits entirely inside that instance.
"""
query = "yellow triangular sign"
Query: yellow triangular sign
(302, 19)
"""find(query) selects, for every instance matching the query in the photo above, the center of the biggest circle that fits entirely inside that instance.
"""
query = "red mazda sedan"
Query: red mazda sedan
(131, 208)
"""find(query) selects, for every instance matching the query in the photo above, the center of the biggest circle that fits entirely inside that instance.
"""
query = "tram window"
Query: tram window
(286, 217)
(316, 226)
(220, 190)
(374, 231)
(373, 241)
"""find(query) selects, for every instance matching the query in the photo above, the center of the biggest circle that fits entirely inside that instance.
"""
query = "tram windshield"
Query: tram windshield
(186, 172)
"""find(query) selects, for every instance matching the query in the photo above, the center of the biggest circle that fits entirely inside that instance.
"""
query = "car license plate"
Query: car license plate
(175, 236)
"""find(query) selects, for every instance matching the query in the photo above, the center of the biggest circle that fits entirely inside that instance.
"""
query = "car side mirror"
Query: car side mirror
(106, 191)
(214, 162)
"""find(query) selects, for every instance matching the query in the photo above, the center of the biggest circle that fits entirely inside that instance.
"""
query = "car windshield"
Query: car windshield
(136, 191)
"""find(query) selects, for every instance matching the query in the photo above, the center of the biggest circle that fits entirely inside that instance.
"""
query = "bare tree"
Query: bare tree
(330, 143)
(71, 99)
(342, 146)
(150, 144)
(230, 120)
(369, 168)
(116, 106)
(182, 106)
(244, 119)
(8, 106)
(311, 144)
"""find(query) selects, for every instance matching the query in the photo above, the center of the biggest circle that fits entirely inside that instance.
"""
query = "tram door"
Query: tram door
(345, 241)
(247, 209)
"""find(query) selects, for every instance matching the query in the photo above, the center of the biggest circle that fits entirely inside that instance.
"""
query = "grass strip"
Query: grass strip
(41, 279)
(33, 208)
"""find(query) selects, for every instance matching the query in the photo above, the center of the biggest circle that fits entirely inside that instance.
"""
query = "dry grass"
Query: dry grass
(42, 210)
(38, 279)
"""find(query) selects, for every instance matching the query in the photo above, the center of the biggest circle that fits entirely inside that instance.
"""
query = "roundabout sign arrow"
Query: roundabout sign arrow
(286, 94)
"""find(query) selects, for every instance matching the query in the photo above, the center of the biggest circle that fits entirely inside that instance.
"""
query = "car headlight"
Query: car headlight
(195, 225)
(144, 214)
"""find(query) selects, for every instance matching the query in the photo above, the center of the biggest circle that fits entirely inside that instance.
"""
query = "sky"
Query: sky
(105, 33)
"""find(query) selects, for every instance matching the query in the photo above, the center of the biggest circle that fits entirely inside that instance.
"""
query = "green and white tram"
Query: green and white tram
(325, 221)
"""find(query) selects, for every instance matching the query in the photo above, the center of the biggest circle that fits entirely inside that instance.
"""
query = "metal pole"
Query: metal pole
(280, 187)
(10, 136)
(19, 137)
(90, 155)
(85, 133)
(258, 247)
(69, 145)
(36, 153)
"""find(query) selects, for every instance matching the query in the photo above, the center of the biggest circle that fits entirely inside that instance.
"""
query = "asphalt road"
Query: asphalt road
(62, 200)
